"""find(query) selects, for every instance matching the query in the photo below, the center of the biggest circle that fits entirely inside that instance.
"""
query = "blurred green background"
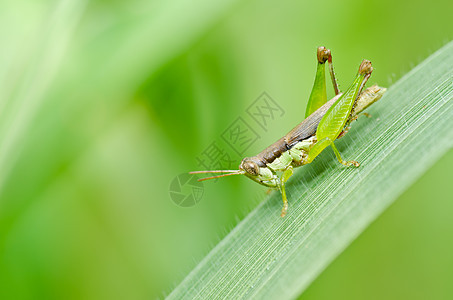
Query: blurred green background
(103, 103)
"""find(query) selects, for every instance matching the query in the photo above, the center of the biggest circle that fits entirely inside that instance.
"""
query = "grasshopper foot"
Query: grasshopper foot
(353, 163)
(284, 210)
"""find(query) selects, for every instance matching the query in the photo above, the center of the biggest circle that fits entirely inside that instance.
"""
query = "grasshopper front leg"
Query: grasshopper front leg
(283, 179)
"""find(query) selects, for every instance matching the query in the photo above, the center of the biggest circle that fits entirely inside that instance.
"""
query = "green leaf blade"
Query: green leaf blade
(267, 257)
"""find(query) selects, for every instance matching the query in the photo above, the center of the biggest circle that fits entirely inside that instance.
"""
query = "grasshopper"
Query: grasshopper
(325, 122)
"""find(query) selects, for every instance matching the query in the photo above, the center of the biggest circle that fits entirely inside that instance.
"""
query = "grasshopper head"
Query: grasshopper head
(249, 166)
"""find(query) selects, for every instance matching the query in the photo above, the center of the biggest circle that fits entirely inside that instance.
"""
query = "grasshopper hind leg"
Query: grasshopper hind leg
(321, 145)
(332, 75)
(326, 55)
(318, 95)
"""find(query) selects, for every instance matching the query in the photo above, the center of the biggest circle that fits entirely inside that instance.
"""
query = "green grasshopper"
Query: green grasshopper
(325, 122)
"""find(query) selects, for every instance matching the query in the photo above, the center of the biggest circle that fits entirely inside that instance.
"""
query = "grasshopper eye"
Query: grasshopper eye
(249, 166)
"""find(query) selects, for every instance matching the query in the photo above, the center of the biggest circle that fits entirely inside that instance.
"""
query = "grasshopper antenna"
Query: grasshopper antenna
(230, 172)
(214, 171)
